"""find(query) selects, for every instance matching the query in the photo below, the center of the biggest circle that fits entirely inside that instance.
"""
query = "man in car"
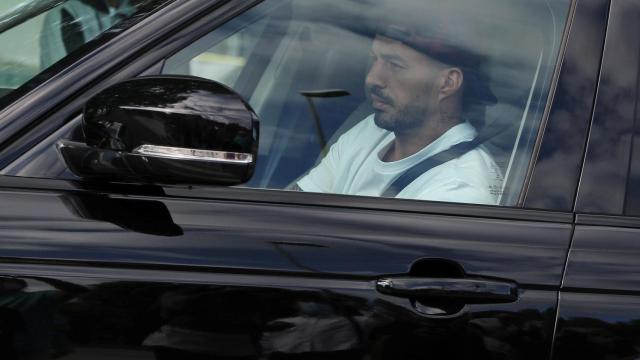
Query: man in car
(418, 84)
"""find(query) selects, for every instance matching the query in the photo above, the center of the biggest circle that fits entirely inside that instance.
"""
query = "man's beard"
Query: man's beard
(401, 120)
(398, 119)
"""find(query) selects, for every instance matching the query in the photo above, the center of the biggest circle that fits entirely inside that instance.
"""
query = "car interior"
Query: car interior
(305, 48)
(302, 65)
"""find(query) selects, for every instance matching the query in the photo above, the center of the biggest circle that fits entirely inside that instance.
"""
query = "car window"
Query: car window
(330, 80)
(429, 100)
(41, 33)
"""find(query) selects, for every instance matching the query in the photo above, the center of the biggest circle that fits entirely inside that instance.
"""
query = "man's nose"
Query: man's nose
(375, 76)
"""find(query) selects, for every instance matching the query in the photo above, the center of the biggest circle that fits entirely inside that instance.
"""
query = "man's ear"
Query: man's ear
(451, 83)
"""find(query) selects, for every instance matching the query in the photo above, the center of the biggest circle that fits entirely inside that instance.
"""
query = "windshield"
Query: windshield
(40, 33)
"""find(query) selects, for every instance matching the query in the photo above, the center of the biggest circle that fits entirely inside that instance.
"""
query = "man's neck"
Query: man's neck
(407, 143)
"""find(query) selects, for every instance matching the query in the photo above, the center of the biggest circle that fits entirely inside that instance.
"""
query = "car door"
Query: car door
(598, 315)
(115, 270)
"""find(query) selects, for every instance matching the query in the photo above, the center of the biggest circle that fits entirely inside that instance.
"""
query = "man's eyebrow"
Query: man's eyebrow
(388, 57)
(393, 57)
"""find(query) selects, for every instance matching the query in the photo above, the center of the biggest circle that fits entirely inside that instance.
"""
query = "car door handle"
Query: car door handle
(467, 290)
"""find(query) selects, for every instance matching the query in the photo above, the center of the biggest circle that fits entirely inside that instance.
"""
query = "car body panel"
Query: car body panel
(163, 314)
(132, 270)
(227, 234)
(604, 266)
(597, 326)
(256, 270)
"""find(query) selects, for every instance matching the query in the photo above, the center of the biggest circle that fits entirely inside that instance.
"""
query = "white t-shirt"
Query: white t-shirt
(353, 166)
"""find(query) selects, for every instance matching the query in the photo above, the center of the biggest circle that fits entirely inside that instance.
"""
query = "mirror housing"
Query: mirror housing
(166, 129)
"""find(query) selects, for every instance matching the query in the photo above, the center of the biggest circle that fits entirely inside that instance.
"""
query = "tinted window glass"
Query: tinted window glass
(632, 195)
(352, 94)
(424, 100)
(40, 33)
(610, 179)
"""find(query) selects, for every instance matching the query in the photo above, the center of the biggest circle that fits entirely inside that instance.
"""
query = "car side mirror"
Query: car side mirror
(166, 129)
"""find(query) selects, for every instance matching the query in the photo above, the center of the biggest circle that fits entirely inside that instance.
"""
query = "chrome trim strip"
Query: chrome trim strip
(162, 110)
(169, 152)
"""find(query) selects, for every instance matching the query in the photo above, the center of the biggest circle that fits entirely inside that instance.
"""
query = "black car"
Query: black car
(150, 149)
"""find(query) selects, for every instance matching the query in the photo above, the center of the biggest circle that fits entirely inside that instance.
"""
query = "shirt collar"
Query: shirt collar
(456, 134)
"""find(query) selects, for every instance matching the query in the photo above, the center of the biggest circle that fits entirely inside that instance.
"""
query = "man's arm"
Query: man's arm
(323, 178)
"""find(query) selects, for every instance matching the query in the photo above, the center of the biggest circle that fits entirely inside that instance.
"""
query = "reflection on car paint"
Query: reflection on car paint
(192, 321)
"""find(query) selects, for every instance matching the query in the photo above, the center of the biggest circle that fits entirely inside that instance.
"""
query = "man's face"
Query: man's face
(402, 84)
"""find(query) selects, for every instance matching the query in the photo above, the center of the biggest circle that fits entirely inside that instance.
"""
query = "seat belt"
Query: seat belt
(427, 164)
